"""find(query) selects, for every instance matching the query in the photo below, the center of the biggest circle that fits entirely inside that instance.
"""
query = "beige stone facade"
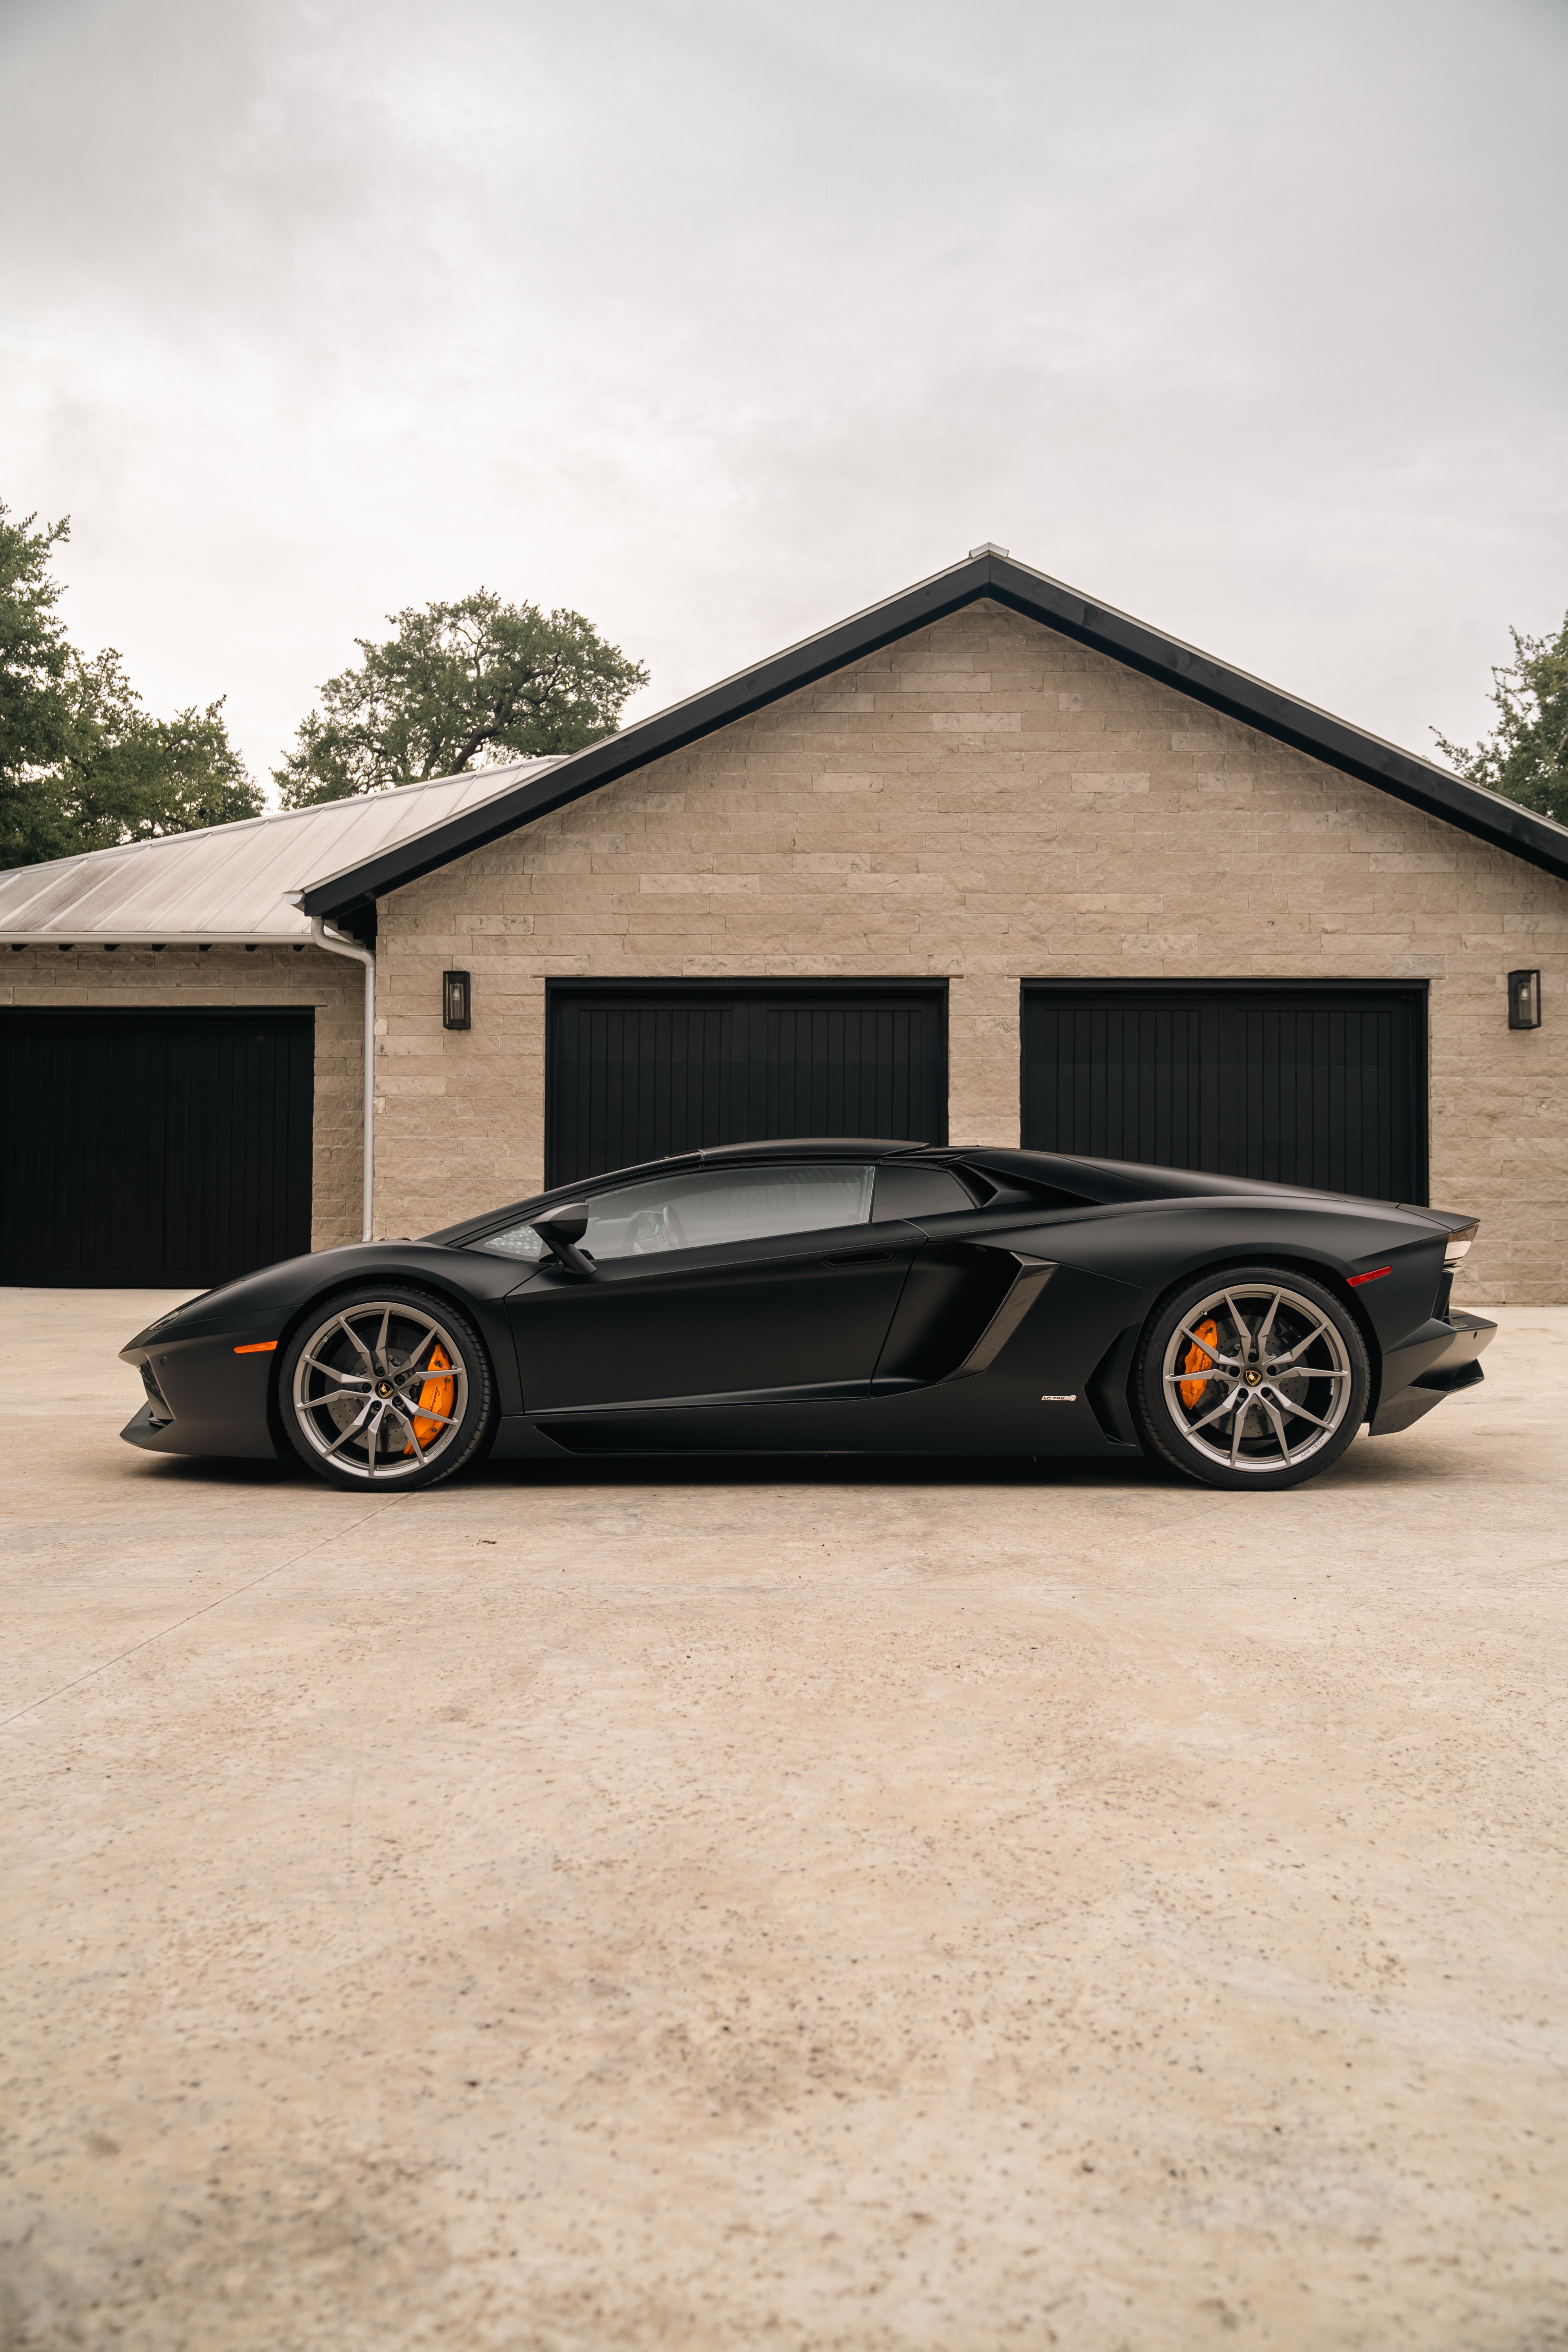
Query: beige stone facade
(177, 977)
(987, 801)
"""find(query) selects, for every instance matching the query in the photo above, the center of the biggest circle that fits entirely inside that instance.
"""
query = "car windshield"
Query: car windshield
(702, 1208)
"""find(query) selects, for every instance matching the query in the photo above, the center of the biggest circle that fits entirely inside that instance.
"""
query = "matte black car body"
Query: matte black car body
(1009, 1327)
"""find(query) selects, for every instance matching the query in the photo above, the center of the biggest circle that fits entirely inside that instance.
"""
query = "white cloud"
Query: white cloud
(718, 321)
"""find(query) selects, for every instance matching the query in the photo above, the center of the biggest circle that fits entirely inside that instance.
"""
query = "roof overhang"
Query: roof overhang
(85, 937)
(989, 574)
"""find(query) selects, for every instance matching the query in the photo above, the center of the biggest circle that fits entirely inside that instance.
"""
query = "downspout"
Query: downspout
(339, 943)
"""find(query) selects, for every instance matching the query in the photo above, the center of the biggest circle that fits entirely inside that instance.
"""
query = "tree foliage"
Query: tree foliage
(127, 776)
(457, 686)
(83, 764)
(35, 703)
(1526, 758)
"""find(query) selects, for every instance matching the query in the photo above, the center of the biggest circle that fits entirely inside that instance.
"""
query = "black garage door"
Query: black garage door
(642, 1070)
(153, 1147)
(1299, 1082)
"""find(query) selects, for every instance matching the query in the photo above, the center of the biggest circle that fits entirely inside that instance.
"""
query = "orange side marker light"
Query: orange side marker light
(257, 1348)
(1199, 1365)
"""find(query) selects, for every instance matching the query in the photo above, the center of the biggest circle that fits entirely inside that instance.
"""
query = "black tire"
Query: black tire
(421, 1370)
(1222, 1408)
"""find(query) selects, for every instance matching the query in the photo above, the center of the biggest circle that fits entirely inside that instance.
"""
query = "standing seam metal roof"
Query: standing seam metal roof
(231, 883)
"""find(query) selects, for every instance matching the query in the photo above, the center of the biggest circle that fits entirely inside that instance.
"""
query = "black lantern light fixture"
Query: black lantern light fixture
(1524, 1000)
(455, 1001)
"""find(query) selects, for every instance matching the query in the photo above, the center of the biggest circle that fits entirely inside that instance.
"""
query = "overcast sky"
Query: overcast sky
(718, 318)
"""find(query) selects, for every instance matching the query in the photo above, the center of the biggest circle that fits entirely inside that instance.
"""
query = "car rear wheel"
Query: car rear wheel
(385, 1389)
(1255, 1376)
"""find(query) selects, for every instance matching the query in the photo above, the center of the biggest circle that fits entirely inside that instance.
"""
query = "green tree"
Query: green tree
(127, 776)
(35, 708)
(1526, 759)
(459, 686)
(83, 764)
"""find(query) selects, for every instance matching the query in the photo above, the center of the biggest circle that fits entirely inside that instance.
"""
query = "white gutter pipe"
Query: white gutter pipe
(338, 943)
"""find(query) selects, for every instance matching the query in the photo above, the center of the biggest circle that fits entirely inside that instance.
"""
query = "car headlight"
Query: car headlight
(1457, 1243)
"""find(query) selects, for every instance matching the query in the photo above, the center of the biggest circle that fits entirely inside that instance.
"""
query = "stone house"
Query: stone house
(986, 862)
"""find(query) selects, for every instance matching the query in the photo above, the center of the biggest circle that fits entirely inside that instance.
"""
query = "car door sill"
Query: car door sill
(813, 1392)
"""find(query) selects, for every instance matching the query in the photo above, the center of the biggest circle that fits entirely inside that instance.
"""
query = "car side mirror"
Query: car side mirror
(560, 1230)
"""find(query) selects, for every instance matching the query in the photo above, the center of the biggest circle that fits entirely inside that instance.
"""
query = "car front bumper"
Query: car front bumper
(204, 1396)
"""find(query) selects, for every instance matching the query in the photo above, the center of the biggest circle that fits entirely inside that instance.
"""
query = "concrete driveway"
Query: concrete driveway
(805, 1908)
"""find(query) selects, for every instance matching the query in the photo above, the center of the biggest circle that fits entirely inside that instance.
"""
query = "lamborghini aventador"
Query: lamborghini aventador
(837, 1297)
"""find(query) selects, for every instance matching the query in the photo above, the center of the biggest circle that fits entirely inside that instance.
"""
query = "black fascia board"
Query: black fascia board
(1198, 674)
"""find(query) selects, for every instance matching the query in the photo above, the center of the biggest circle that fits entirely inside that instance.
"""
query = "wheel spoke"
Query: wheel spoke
(1219, 1410)
(381, 1342)
(1231, 1363)
(1300, 1411)
(408, 1420)
(1270, 1409)
(1303, 1345)
(332, 1372)
(433, 1371)
(1239, 1425)
(354, 1340)
(1240, 1319)
(447, 1420)
(1267, 1325)
(352, 1430)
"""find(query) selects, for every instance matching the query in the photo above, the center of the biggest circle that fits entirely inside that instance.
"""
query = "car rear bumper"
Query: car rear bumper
(1455, 1366)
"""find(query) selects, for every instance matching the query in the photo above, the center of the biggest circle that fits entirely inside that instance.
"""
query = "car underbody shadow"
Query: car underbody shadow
(826, 1470)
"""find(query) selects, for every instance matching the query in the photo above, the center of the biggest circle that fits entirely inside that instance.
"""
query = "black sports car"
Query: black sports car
(836, 1298)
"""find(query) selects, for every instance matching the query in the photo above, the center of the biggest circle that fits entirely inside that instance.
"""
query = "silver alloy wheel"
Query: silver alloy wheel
(367, 1396)
(1257, 1378)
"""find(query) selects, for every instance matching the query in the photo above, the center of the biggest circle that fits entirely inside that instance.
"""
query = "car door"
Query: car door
(717, 1283)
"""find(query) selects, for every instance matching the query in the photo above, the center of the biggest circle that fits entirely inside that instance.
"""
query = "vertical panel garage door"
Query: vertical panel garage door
(1298, 1083)
(640, 1071)
(153, 1149)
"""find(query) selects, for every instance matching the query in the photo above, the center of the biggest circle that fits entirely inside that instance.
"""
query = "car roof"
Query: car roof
(1106, 1182)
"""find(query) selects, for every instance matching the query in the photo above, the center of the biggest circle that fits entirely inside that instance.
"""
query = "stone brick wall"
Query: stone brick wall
(988, 802)
(223, 976)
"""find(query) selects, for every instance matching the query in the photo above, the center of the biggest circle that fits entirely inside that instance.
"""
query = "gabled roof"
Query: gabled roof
(987, 571)
(231, 883)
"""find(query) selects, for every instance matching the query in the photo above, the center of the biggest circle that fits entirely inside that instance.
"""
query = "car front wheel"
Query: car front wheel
(1255, 1376)
(386, 1388)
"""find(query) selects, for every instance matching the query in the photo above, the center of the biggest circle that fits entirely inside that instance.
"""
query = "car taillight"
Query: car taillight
(1457, 1243)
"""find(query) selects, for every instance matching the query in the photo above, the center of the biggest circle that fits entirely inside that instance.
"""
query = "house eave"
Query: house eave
(86, 937)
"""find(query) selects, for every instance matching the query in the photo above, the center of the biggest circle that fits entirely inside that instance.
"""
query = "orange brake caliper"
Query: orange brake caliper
(1197, 1364)
(435, 1396)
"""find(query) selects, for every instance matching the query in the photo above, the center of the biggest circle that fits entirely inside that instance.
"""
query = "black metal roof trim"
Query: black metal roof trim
(1252, 701)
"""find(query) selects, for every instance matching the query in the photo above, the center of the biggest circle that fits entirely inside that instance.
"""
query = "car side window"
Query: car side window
(702, 1208)
(518, 1241)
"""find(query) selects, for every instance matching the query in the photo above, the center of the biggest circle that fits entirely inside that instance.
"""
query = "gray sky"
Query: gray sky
(718, 318)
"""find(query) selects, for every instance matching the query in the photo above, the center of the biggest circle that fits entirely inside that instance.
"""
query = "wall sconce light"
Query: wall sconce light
(455, 1001)
(1524, 1000)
